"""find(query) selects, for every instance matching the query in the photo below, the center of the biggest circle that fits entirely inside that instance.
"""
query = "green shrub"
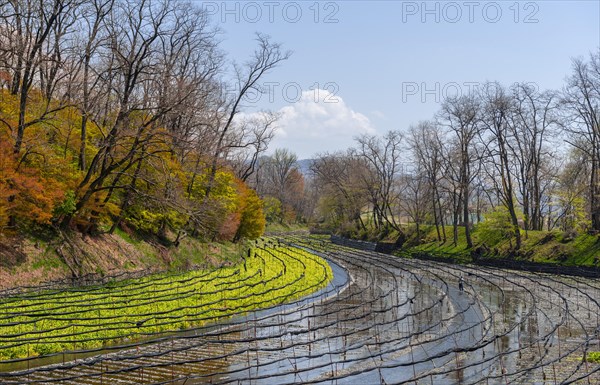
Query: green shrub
(496, 227)
(67, 206)
(593, 357)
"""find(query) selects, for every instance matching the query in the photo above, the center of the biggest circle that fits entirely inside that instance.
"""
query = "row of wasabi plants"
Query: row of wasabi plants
(80, 319)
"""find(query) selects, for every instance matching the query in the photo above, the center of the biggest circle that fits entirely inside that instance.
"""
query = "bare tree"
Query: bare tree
(416, 197)
(146, 72)
(280, 178)
(451, 184)
(581, 98)
(497, 107)
(35, 30)
(276, 172)
(251, 141)
(532, 123)
(341, 189)
(267, 56)
(383, 156)
(133, 32)
(568, 209)
(427, 148)
(461, 116)
(93, 15)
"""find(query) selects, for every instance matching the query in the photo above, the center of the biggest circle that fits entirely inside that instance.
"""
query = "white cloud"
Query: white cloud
(378, 114)
(319, 122)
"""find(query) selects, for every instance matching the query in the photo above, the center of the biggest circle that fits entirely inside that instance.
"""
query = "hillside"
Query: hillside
(554, 247)
(108, 126)
(27, 260)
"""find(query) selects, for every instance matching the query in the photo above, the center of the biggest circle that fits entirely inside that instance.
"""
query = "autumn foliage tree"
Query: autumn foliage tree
(119, 113)
(280, 181)
(252, 217)
(25, 193)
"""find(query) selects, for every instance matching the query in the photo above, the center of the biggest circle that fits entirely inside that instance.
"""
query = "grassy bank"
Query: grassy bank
(555, 247)
(282, 228)
(35, 258)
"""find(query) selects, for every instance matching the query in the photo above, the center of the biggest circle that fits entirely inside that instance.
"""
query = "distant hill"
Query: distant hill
(304, 166)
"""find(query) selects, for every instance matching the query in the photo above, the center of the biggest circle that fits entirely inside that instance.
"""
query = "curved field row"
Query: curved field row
(43, 323)
(395, 321)
(527, 328)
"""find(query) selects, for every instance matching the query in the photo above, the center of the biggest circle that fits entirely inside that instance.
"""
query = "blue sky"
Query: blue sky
(373, 66)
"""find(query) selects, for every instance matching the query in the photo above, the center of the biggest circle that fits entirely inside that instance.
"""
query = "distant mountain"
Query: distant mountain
(304, 166)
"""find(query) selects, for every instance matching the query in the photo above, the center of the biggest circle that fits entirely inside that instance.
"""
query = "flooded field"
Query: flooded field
(383, 320)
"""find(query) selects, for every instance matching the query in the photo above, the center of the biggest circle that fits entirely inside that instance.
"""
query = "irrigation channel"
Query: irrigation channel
(382, 320)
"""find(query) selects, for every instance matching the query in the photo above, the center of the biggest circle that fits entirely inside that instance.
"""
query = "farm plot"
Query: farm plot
(85, 319)
(382, 320)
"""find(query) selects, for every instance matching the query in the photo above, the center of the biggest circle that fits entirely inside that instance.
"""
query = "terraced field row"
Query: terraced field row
(47, 323)
(382, 320)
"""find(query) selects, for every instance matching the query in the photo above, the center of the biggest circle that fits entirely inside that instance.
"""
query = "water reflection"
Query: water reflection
(389, 325)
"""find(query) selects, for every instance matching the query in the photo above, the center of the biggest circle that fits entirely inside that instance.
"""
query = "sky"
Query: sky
(367, 67)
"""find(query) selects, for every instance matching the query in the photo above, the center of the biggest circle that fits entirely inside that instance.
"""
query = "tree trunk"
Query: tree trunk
(594, 206)
(436, 221)
(127, 197)
(21, 122)
(82, 162)
(455, 215)
(465, 209)
(441, 215)
(466, 220)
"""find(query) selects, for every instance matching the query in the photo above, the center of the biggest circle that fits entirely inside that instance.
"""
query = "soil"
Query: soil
(25, 262)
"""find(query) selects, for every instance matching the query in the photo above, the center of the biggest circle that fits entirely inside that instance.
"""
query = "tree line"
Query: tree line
(520, 158)
(127, 113)
(123, 113)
